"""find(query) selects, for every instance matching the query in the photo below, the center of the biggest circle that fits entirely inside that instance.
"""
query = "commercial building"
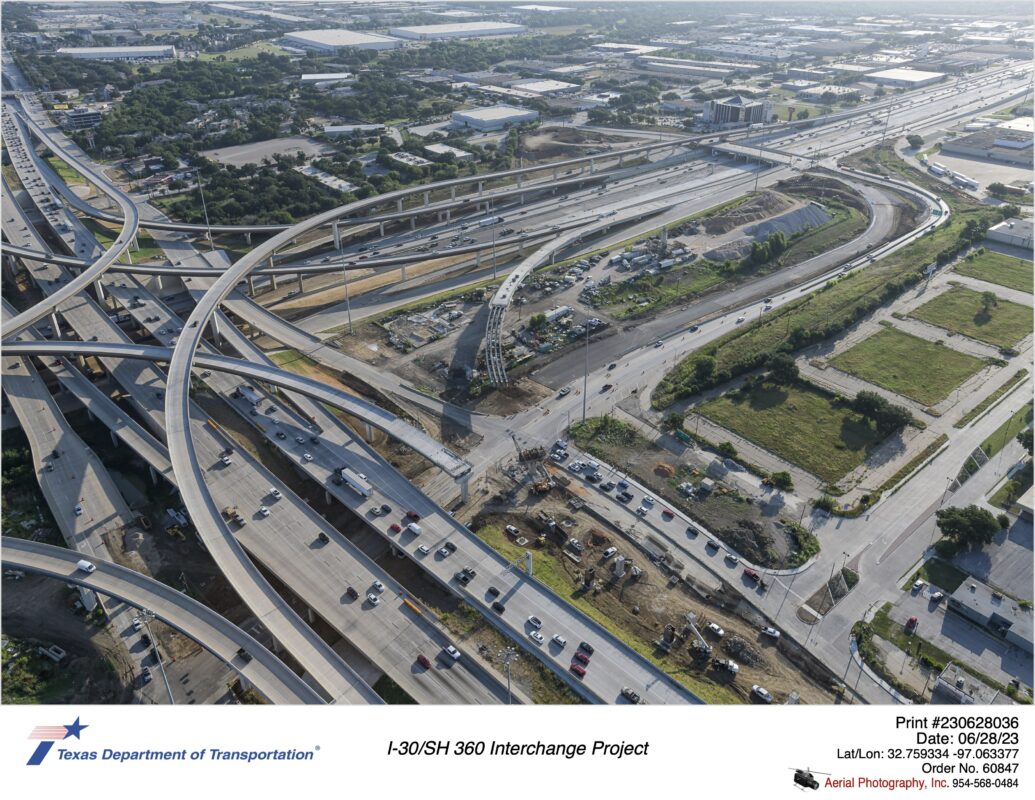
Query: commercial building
(547, 87)
(998, 614)
(457, 30)
(80, 118)
(623, 49)
(850, 69)
(954, 686)
(331, 40)
(1026, 501)
(251, 11)
(493, 118)
(808, 74)
(736, 110)
(994, 144)
(542, 9)
(903, 76)
(1016, 233)
(692, 68)
(326, 77)
(448, 150)
(142, 53)
(410, 160)
(353, 130)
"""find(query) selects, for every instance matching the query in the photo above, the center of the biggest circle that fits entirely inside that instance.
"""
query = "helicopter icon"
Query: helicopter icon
(805, 778)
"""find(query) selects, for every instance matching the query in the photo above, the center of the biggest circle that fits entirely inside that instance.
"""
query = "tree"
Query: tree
(704, 368)
(727, 449)
(989, 301)
(782, 481)
(673, 421)
(971, 526)
(782, 369)
(1024, 437)
(537, 322)
(803, 114)
(915, 140)
(996, 189)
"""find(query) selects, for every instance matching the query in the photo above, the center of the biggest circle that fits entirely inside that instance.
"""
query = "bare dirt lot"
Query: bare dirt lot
(553, 144)
(639, 610)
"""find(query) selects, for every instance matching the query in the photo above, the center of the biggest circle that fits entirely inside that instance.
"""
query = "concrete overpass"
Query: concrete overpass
(259, 668)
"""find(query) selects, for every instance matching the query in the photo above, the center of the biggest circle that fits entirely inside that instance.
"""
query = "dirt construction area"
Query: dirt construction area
(640, 607)
(554, 144)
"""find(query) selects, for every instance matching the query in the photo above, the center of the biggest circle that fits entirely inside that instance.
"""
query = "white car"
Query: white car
(227, 461)
(766, 630)
(739, 320)
(306, 457)
(378, 586)
(423, 549)
(275, 493)
(264, 511)
(536, 637)
(511, 530)
(761, 693)
(732, 559)
(641, 511)
(535, 622)
(647, 500)
(373, 599)
(452, 652)
(716, 629)
(300, 439)
(78, 510)
(610, 552)
(918, 586)
(559, 640)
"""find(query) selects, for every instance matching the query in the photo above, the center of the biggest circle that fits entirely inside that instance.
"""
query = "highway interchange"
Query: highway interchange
(185, 447)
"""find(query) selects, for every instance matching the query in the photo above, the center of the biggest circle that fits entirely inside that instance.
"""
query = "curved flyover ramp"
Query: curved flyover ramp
(270, 676)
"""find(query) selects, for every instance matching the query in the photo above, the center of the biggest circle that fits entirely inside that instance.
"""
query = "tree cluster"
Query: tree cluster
(885, 416)
(967, 527)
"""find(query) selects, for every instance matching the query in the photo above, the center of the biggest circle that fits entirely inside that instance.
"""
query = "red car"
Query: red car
(395, 527)
(578, 669)
(667, 512)
(424, 661)
(750, 573)
(412, 515)
(911, 625)
(580, 656)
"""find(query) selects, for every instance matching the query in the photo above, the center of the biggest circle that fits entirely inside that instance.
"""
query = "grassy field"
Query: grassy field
(831, 309)
(248, 51)
(941, 573)
(960, 310)
(800, 424)
(65, 172)
(1007, 495)
(1014, 273)
(890, 357)
(1002, 436)
(549, 572)
(149, 249)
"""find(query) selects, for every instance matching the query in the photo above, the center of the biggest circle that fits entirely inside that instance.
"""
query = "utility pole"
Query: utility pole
(345, 280)
(204, 208)
(508, 655)
(145, 616)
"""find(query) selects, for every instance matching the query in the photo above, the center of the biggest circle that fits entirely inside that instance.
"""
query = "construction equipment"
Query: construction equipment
(698, 647)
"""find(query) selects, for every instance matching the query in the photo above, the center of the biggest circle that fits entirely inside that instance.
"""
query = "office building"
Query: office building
(736, 110)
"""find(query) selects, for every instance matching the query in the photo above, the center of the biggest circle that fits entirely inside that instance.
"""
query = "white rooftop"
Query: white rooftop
(546, 9)
(469, 28)
(905, 74)
(493, 112)
(339, 37)
(545, 86)
(325, 76)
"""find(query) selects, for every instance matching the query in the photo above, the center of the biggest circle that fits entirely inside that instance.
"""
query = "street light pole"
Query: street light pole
(509, 655)
(145, 616)
(585, 377)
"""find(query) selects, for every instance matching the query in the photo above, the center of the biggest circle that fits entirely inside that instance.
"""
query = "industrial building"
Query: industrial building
(547, 87)
(736, 110)
(235, 10)
(326, 77)
(954, 686)
(493, 118)
(353, 130)
(448, 150)
(542, 9)
(141, 53)
(903, 76)
(1000, 615)
(457, 30)
(333, 39)
(692, 68)
(1015, 233)
(994, 144)
(752, 52)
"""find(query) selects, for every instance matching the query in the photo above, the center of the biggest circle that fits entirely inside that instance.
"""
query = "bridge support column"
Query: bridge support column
(214, 329)
(301, 288)
(368, 431)
(555, 173)
(114, 439)
(592, 166)
(413, 223)
(478, 258)
(449, 215)
(251, 286)
(159, 282)
(327, 497)
(273, 282)
(154, 475)
(381, 229)
(100, 292)
(399, 204)
(427, 196)
(519, 181)
(452, 193)
(621, 159)
(309, 613)
(464, 481)
(135, 244)
(248, 237)
(481, 186)
(128, 255)
(402, 271)
(337, 237)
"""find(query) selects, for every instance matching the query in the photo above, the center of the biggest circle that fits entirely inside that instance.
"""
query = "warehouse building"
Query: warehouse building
(547, 87)
(903, 76)
(736, 110)
(752, 52)
(693, 68)
(817, 93)
(448, 150)
(1015, 233)
(143, 53)
(998, 614)
(994, 144)
(331, 40)
(493, 118)
(457, 30)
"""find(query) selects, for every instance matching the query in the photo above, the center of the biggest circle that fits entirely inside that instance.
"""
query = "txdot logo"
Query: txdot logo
(47, 735)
